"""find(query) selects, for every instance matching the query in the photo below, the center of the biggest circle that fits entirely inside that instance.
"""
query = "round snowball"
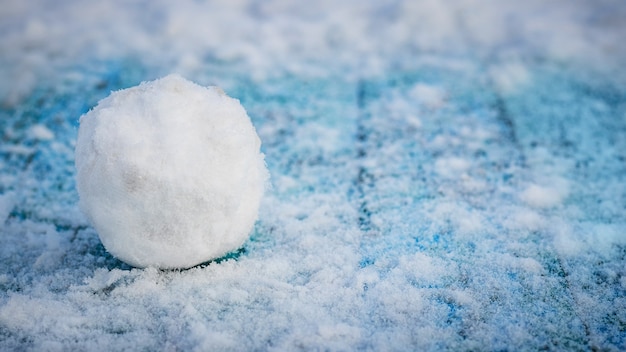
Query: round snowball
(169, 173)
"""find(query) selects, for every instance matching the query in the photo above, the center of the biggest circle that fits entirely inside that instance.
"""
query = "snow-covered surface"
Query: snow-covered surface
(169, 173)
(445, 175)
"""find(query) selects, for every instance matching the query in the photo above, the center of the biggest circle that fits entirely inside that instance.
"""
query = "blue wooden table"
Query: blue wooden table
(424, 197)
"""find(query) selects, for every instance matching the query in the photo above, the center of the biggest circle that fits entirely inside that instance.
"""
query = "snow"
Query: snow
(543, 197)
(7, 202)
(169, 173)
(445, 175)
(430, 96)
(41, 132)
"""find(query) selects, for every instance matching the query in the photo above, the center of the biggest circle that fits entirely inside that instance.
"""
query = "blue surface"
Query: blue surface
(395, 221)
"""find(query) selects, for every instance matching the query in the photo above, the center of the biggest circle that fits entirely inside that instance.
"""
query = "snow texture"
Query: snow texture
(446, 175)
(169, 173)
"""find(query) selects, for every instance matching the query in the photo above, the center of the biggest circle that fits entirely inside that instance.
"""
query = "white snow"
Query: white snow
(451, 166)
(447, 175)
(41, 132)
(510, 77)
(169, 173)
(7, 202)
(430, 96)
(544, 197)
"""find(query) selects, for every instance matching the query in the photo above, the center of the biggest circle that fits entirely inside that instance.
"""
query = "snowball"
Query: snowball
(169, 173)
